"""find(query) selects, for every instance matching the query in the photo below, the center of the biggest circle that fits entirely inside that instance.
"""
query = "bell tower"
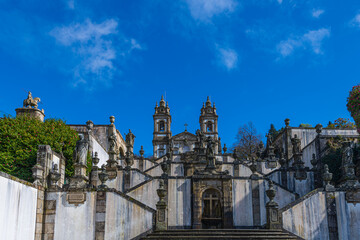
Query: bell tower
(162, 130)
(209, 121)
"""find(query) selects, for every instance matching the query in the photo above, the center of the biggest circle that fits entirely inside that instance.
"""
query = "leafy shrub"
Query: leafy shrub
(341, 123)
(19, 140)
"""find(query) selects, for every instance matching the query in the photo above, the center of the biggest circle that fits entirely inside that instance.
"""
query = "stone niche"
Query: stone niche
(212, 202)
(31, 112)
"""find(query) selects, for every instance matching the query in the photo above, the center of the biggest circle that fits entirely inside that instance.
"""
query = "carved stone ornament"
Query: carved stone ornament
(30, 101)
(81, 151)
(76, 198)
(353, 197)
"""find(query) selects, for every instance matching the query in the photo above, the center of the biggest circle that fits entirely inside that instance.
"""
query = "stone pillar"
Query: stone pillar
(126, 179)
(43, 165)
(273, 219)
(31, 112)
(141, 160)
(49, 219)
(100, 215)
(236, 168)
(39, 214)
(255, 190)
(79, 180)
(317, 164)
(332, 215)
(161, 208)
(94, 176)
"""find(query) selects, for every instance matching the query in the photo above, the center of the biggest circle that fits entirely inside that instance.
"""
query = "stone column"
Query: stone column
(39, 214)
(273, 220)
(100, 215)
(255, 190)
(161, 208)
(49, 219)
(236, 168)
(94, 177)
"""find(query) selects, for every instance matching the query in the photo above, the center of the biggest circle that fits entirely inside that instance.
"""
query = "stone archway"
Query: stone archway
(212, 210)
(218, 188)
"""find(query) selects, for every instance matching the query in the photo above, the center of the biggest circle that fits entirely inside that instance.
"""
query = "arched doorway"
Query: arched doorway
(211, 209)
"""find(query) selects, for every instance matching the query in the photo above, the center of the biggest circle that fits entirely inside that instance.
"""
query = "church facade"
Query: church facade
(191, 187)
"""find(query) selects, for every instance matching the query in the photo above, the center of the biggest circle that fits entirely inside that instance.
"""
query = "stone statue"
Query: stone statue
(296, 144)
(112, 136)
(130, 138)
(81, 151)
(347, 155)
(30, 102)
(210, 147)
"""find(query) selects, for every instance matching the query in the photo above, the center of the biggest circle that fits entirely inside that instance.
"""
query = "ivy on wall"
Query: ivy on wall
(19, 140)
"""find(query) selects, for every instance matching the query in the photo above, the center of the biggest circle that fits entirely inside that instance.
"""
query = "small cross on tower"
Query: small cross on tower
(186, 126)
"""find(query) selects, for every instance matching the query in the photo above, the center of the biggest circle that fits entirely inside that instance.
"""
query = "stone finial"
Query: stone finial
(142, 151)
(95, 159)
(54, 176)
(224, 148)
(313, 161)
(287, 122)
(103, 176)
(318, 128)
(327, 176)
(89, 125)
(112, 119)
(273, 220)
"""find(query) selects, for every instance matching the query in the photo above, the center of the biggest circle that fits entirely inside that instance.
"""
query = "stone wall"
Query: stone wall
(308, 219)
(146, 193)
(179, 203)
(242, 203)
(301, 187)
(18, 208)
(348, 218)
(124, 219)
(69, 221)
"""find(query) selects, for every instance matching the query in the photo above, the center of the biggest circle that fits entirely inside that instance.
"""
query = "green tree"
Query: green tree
(19, 140)
(341, 123)
(273, 132)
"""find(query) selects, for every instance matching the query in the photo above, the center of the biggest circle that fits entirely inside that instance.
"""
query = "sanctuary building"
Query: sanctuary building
(192, 187)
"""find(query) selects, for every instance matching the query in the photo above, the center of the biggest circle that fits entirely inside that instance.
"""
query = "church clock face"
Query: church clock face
(208, 110)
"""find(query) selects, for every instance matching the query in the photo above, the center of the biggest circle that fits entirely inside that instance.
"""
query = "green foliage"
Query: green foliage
(305, 125)
(341, 123)
(353, 104)
(273, 132)
(333, 160)
(19, 140)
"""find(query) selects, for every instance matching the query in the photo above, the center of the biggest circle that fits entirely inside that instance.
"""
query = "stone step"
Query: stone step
(220, 234)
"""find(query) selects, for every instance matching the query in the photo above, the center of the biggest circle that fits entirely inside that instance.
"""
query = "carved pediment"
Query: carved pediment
(184, 136)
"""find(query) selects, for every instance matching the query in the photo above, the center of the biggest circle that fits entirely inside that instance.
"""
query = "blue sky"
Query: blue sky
(260, 61)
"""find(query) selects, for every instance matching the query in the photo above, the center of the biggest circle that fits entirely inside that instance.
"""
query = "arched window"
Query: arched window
(162, 126)
(209, 126)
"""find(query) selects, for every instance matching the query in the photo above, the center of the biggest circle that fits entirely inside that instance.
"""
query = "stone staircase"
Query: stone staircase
(219, 234)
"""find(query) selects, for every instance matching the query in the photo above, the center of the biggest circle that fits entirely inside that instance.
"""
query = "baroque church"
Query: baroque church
(191, 188)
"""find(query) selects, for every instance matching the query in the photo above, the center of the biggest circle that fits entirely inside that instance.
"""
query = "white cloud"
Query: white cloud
(92, 44)
(227, 58)
(356, 21)
(204, 10)
(316, 13)
(310, 40)
(71, 4)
